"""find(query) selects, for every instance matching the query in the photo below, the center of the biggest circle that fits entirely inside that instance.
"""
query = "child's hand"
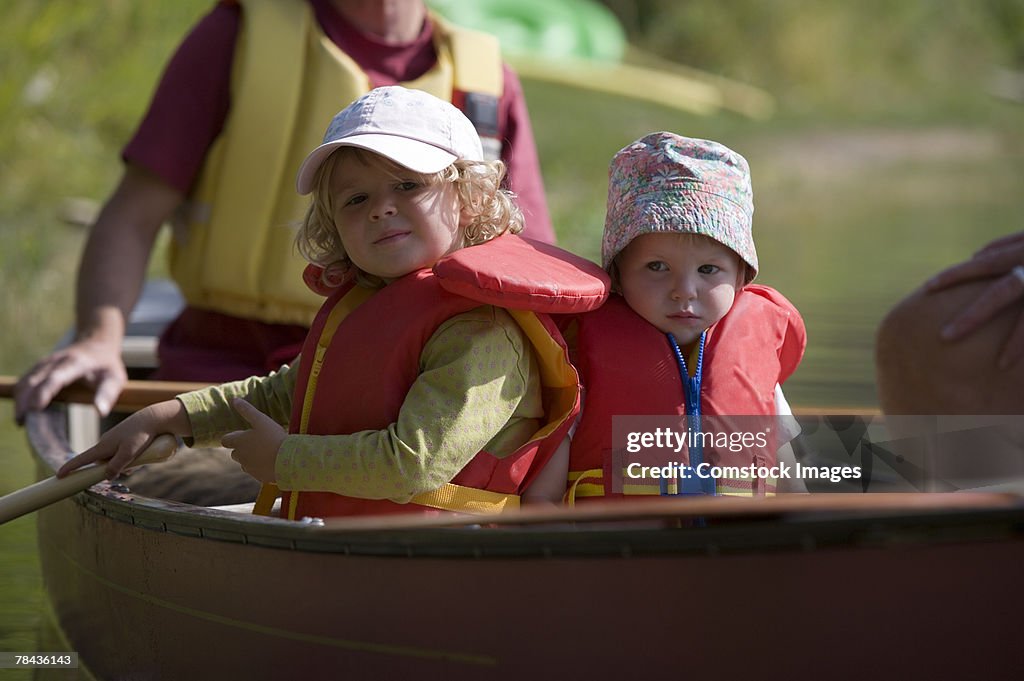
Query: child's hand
(255, 449)
(125, 441)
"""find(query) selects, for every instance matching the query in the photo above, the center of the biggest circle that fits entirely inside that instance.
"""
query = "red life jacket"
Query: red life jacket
(362, 372)
(628, 368)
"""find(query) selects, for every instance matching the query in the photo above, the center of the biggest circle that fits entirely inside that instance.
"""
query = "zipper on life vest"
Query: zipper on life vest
(691, 398)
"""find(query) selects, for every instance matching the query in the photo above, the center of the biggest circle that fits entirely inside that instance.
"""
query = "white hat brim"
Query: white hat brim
(417, 156)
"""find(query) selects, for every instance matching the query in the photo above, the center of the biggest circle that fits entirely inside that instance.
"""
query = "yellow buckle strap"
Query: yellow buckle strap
(265, 501)
(450, 497)
(590, 489)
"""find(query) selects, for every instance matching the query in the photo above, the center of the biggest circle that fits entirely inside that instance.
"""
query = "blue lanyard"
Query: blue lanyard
(691, 395)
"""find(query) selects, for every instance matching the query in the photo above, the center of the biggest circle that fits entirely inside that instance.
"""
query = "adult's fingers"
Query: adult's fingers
(1013, 350)
(108, 388)
(994, 298)
(37, 388)
(1002, 242)
(993, 264)
(41, 383)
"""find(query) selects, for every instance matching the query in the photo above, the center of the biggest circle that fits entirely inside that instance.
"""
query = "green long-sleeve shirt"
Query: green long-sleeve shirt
(478, 388)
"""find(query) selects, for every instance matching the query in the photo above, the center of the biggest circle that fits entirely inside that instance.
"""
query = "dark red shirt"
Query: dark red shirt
(192, 100)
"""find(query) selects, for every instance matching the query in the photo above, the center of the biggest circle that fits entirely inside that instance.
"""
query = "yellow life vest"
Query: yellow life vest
(233, 249)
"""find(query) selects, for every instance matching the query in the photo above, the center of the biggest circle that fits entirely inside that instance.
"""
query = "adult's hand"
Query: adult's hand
(95, 363)
(1001, 261)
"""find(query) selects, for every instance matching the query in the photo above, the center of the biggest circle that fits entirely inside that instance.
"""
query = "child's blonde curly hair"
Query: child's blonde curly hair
(492, 211)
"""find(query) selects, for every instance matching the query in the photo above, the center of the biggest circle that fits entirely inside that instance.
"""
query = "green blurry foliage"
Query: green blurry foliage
(77, 77)
(865, 58)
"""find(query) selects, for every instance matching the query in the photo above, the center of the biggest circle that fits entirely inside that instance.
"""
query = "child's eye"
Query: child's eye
(657, 266)
(709, 269)
(356, 199)
(407, 186)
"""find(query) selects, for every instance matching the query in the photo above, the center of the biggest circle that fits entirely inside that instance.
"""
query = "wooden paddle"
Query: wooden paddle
(53, 489)
(134, 396)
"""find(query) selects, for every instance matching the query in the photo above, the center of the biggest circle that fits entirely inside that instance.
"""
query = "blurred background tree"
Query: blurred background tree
(867, 58)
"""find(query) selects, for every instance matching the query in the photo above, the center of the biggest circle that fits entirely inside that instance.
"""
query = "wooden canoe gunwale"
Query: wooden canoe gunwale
(994, 517)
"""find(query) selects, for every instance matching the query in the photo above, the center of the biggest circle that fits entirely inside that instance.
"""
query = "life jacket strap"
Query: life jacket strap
(452, 497)
(265, 499)
(594, 487)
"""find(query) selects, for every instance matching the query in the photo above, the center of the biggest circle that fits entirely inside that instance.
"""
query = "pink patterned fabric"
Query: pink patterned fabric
(667, 183)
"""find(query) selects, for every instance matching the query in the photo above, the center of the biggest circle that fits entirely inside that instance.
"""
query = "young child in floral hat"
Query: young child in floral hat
(432, 378)
(684, 333)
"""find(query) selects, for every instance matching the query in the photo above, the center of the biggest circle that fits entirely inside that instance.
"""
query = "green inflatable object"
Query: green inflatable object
(551, 29)
(580, 44)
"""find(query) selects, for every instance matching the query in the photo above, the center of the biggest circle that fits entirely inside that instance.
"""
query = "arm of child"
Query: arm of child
(121, 444)
(477, 384)
(549, 485)
(210, 408)
(212, 413)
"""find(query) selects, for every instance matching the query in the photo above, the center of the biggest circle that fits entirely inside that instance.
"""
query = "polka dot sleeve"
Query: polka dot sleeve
(212, 416)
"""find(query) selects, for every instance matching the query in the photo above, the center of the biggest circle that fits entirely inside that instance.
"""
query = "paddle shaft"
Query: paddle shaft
(134, 396)
(53, 489)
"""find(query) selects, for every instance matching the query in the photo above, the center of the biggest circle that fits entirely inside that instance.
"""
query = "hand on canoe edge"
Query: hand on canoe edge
(93, 362)
(123, 443)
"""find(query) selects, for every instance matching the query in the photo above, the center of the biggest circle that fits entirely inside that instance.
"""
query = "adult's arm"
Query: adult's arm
(161, 162)
(110, 277)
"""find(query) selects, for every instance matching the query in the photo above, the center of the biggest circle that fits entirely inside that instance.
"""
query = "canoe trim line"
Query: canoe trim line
(327, 641)
(739, 536)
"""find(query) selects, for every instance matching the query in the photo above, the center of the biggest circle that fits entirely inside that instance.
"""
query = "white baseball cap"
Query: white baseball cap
(411, 127)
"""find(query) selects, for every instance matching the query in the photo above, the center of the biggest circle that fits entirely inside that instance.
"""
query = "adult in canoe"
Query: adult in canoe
(294, 64)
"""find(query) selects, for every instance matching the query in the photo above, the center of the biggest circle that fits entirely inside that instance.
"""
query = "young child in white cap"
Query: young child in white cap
(416, 390)
(684, 333)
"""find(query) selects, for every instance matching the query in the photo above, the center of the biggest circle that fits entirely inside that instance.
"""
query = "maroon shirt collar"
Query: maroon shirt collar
(384, 64)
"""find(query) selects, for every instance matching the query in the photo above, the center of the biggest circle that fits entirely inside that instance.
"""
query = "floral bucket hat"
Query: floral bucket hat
(667, 183)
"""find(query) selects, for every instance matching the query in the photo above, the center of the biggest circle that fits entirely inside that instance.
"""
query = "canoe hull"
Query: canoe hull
(148, 603)
(148, 589)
